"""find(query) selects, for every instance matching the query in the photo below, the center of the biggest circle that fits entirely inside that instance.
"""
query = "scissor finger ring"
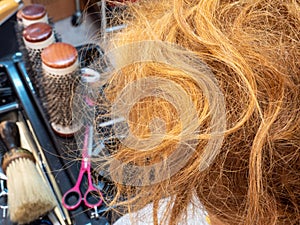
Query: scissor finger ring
(71, 200)
(92, 198)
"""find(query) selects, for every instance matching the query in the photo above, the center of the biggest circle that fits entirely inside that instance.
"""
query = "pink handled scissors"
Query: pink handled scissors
(92, 197)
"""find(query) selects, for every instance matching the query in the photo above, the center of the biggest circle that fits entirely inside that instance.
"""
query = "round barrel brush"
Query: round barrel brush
(29, 197)
(61, 74)
(36, 37)
(34, 13)
(27, 15)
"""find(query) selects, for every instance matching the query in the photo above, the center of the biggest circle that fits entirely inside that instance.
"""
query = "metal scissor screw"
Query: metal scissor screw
(95, 214)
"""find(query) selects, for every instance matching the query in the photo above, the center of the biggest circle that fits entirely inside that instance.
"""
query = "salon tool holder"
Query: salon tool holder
(21, 103)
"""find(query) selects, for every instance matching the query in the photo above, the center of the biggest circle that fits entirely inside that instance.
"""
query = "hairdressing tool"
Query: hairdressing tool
(29, 197)
(30, 14)
(59, 216)
(34, 13)
(8, 8)
(84, 110)
(33, 36)
(61, 76)
(92, 197)
(36, 37)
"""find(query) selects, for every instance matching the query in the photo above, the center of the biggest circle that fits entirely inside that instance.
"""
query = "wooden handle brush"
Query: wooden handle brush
(61, 74)
(34, 13)
(29, 197)
(36, 37)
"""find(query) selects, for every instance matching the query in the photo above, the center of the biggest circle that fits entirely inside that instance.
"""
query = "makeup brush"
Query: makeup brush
(29, 197)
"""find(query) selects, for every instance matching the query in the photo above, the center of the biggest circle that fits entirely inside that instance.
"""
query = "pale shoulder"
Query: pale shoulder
(196, 215)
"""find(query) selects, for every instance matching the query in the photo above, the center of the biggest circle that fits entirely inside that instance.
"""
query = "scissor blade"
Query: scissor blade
(90, 141)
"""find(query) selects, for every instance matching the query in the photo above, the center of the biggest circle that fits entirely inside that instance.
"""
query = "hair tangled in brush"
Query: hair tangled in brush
(252, 48)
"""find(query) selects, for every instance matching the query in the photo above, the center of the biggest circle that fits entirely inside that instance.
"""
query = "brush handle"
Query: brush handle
(10, 135)
(60, 56)
(33, 13)
(36, 37)
(37, 32)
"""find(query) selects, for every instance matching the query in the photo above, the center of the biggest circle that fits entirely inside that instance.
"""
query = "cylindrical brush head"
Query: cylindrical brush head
(36, 37)
(61, 75)
(29, 197)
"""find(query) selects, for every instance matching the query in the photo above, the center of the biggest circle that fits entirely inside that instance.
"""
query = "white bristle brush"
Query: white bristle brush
(28, 195)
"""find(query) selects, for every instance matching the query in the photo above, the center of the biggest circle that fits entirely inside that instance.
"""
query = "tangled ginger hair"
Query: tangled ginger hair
(253, 49)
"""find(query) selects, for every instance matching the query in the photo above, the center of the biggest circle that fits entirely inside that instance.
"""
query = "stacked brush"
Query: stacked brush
(35, 31)
(52, 66)
(26, 16)
(33, 13)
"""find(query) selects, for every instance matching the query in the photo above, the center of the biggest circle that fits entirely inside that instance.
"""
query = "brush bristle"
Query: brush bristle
(29, 197)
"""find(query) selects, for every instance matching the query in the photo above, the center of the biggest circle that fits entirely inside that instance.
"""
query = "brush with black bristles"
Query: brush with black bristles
(61, 74)
(36, 13)
(36, 37)
(29, 197)
(27, 16)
